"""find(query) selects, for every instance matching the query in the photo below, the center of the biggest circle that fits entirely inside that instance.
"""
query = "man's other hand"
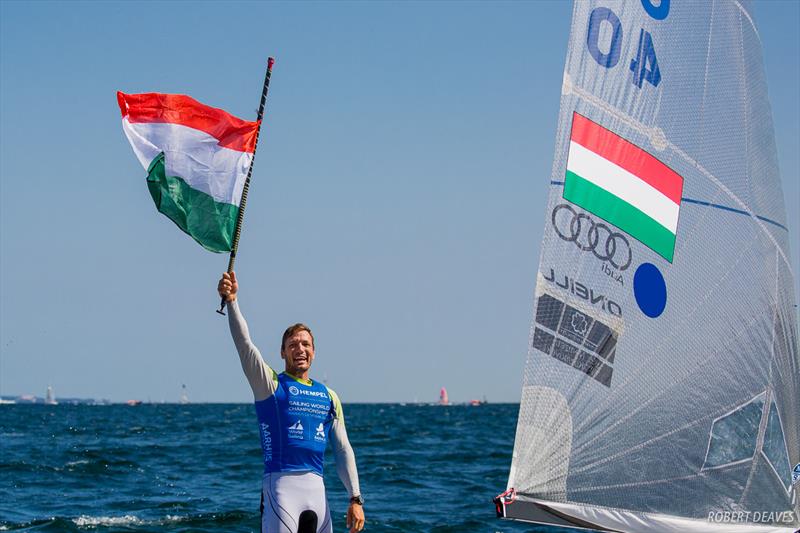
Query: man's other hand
(355, 517)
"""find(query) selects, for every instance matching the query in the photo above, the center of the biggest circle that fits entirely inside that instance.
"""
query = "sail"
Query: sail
(660, 390)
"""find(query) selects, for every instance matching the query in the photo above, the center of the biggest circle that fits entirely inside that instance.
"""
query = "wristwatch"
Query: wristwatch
(357, 499)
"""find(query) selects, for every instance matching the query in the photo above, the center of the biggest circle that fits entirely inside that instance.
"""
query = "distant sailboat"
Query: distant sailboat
(477, 402)
(184, 395)
(50, 398)
(661, 391)
(443, 400)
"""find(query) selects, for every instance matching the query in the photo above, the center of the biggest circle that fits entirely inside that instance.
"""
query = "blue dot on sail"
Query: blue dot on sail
(650, 290)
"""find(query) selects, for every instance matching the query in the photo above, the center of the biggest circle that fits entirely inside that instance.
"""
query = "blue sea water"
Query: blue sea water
(195, 468)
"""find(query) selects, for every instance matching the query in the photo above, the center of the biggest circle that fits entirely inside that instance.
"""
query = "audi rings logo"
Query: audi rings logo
(294, 390)
(591, 236)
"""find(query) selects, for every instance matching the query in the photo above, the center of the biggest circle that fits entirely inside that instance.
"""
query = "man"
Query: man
(296, 416)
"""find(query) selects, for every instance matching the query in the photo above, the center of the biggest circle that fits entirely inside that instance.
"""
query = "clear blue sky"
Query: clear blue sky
(397, 202)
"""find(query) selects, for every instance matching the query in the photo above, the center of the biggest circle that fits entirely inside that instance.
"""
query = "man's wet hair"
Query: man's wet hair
(295, 328)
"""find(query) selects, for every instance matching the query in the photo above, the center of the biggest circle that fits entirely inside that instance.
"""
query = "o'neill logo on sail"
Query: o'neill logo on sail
(624, 185)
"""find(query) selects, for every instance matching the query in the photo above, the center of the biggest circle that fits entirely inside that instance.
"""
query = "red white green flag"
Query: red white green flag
(624, 185)
(196, 157)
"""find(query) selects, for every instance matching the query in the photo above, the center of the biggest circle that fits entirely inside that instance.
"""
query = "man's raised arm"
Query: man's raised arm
(262, 378)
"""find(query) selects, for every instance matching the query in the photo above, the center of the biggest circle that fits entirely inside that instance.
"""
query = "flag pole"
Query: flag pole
(238, 228)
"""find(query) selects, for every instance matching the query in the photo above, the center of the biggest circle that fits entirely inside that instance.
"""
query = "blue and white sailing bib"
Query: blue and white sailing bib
(294, 424)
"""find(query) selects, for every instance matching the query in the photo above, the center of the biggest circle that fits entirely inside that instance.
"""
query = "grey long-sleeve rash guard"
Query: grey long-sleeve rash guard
(264, 381)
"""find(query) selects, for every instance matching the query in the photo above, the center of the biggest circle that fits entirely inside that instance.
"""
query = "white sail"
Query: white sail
(662, 385)
(50, 398)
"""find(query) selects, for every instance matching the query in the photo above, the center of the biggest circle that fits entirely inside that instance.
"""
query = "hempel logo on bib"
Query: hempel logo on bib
(295, 391)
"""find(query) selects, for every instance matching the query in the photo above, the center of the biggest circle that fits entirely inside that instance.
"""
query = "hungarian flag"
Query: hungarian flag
(624, 185)
(196, 157)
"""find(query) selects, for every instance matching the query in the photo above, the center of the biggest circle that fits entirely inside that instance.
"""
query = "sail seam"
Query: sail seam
(652, 481)
(750, 19)
(733, 210)
(736, 199)
(706, 203)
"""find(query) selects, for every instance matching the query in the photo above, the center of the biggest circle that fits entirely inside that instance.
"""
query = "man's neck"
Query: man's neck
(301, 376)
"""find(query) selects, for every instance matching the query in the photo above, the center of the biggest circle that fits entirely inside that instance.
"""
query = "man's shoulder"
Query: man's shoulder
(337, 403)
(332, 393)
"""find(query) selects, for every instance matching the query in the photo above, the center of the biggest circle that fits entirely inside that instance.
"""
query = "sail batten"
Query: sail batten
(661, 390)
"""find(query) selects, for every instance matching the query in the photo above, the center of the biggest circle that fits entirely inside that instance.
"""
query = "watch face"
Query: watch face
(357, 499)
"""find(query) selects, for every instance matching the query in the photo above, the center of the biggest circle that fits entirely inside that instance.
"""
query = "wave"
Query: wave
(129, 522)
(85, 520)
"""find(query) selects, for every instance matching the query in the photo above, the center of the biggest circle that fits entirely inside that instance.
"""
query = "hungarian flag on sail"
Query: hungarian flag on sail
(196, 157)
(624, 185)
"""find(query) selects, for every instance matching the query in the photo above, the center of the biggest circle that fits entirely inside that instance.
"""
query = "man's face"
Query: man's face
(298, 352)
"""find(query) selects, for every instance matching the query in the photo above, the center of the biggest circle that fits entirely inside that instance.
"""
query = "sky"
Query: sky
(397, 201)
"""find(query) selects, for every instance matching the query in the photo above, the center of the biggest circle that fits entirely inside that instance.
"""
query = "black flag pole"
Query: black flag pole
(238, 228)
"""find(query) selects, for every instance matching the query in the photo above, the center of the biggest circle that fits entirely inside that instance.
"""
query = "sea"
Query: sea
(198, 467)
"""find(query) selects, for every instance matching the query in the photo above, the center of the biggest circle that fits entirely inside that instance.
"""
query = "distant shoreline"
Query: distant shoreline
(82, 401)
